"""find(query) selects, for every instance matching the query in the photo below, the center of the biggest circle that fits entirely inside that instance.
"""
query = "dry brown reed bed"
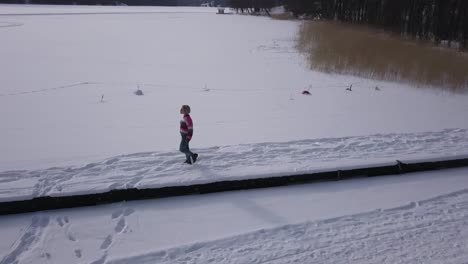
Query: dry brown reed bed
(370, 53)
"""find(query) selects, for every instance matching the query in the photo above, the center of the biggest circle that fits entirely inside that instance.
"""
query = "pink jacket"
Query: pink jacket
(186, 126)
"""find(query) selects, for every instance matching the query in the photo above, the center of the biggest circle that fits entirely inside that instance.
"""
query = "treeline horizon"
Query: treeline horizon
(434, 20)
(253, 6)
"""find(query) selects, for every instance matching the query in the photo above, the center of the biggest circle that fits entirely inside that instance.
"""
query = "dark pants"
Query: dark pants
(184, 147)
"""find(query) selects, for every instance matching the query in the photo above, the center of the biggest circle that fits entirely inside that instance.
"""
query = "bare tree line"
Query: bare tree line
(253, 6)
(436, 20)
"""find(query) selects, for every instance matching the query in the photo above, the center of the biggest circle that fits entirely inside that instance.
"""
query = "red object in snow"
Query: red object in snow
(306, 92)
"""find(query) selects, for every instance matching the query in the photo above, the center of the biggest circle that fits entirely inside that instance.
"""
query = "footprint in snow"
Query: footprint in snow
(120, 225)
(107, 242)
(78, 253)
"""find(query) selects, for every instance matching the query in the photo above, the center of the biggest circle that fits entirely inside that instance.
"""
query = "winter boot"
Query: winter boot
(194, 157)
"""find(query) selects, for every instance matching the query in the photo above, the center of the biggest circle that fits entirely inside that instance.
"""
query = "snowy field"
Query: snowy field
(243, 83)
(376, 220)
(235, 162)
(71, 123)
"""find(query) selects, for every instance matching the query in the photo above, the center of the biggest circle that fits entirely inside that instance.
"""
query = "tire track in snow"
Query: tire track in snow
(46, 89)
(5, 24)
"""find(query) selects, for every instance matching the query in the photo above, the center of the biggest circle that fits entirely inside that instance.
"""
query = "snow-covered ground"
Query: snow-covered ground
(234, 162)
(243, 83)
(71, 123)
(391, 219)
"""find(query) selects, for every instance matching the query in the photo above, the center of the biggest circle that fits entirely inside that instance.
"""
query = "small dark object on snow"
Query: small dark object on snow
(306, 92)
(139, 92)
(349, 88)
(377, 88)
(192, 159)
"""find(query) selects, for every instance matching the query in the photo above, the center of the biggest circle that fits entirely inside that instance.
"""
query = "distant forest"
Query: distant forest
(436, 20)
(254, 6)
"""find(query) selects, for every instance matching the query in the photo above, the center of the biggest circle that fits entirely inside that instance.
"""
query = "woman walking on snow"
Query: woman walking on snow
(186, 131)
